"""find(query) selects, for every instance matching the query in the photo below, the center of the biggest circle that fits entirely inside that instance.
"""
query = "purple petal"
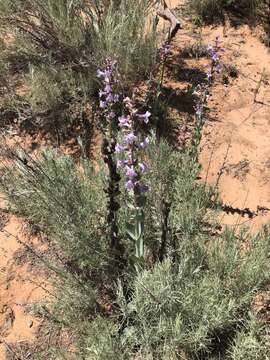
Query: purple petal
(112, 115)
(144, 117)
(108, 89)
(115, 98)
(124, 121)
(119, 148)
(144, 143)
(100, 73)
(102, 104)
(101, 93)
(130, 138)
(143, 167)
(129, 185)
(130, 172)
(121, 163)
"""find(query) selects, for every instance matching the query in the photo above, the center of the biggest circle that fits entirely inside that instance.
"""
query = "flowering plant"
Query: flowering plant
(109, 104)
(202, 90)
(121, 120)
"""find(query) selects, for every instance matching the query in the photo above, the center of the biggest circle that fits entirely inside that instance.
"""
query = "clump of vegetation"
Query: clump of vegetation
(195, 50)
(142, 269)
(264, 14)
(56, 47)
(192, 294)
(53, 185)
(213, 10)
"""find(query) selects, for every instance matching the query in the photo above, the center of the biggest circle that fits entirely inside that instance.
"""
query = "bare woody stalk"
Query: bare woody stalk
(164, 11)
(112, 190)
(108, 103)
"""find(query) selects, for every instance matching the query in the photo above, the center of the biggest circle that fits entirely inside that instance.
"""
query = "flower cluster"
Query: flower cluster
(108, 98)
(130, 147)
(214, 53)
(202, 94)
(202, 90)
(164, 50)
(132, 142)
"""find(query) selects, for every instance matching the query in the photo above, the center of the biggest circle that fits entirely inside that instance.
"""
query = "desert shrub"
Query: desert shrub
(58, 46)
(195, 50)
(191, 297)
(66, 204)
(207, 9)
(210, 10)
(251, 342)
(264, 16)
(186, 309)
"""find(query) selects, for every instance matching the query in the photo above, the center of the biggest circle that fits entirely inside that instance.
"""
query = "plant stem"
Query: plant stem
(112, 191)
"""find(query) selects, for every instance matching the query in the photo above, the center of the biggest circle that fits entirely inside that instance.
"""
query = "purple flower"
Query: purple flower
(129, 185)
(124, 121)
(105, 74)
(215, 57)
(144, 143)
(101, 93)
(209, 75)
(107, 89)
(130, 172)
(218, 67)
(115, 98)
(130, 138)
(111, 98)
(102, 104)
(100, 74)
(164, 49)
(121, 163)
(143, 167)
(111, 115)
(119, 148)
(144, 117)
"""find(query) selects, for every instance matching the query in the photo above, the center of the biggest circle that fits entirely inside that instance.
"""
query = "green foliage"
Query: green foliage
(58, 45)
(250, 342)
(128, 35)
(264, 15)
(191, 299)
(192, 308)
(65, 203)
(211, 10)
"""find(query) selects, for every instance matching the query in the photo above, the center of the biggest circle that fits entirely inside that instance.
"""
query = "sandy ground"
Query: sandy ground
(20, 286)
(235, 149)
(235, 143)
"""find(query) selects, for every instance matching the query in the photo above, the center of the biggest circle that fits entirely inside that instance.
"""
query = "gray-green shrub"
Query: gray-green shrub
(58, 46)
(193, 302)
(67, 204)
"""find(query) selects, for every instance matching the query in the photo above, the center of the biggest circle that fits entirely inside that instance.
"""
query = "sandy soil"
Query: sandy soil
(235, 143)
(20, 286)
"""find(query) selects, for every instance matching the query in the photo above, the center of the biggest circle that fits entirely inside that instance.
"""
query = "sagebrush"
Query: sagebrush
(192, 298)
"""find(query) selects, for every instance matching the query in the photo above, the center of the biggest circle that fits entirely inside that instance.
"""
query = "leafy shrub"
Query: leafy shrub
(66, 204)
(191, 298)
(58, 45)
(187, 310)
(250, 342)
(264, 15)
(209, 10)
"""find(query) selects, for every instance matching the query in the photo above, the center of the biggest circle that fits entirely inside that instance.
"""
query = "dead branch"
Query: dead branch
(164, 12)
